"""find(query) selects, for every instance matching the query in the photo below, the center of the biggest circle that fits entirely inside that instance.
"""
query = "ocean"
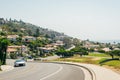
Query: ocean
(109, 41)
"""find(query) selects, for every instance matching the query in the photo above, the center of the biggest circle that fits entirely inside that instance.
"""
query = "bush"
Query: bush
(64, 53)
(101, 51)
(13, 56)
(114, 53)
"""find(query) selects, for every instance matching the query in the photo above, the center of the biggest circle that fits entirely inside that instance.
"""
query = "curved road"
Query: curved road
(44, 71)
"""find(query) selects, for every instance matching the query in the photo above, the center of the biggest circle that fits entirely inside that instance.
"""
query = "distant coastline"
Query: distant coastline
(109, 41)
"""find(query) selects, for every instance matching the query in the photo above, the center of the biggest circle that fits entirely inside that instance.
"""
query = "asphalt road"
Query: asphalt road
(44, 71)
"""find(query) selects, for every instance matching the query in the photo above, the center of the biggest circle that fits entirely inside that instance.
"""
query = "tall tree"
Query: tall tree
(30, 33)
(3, 50)
(76, 42)
(37, 34)
(67, 42)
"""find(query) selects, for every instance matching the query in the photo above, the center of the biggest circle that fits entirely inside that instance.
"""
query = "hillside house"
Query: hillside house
(41, 38)
(22, 29)
(12, 37)
(17, 49)
(46, 50)
(11, 50)
(91, 46)
(106, 49)
(28, 38)
(116, 48)
(58, 43)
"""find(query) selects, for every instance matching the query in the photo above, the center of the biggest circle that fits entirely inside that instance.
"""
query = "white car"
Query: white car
(19, 63)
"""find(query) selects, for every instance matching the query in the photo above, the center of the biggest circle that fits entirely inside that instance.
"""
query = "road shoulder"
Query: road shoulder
(6, 68)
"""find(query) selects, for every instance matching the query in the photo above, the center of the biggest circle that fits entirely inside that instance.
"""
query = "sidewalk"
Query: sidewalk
(102, 73)
(6, 68)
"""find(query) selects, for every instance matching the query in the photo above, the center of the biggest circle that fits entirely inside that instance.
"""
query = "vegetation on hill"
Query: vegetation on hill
(42, 39)
(22, 28)
(41, 36)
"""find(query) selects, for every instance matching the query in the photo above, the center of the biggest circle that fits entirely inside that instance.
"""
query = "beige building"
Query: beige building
(12, 37)
(28, 38)
(17, 49)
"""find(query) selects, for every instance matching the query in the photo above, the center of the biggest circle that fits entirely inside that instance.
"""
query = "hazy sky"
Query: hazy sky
(84, 19)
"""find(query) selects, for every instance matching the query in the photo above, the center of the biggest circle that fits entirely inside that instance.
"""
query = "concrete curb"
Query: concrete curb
(92, 73)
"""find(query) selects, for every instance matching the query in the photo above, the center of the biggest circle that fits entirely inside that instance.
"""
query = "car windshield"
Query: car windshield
(19, 60)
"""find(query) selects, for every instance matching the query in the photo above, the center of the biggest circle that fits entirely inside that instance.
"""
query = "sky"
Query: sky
(83, 19)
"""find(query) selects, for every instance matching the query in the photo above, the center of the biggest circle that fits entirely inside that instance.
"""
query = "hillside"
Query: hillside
(18, 27)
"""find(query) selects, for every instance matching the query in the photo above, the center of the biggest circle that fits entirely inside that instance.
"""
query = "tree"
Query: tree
(37, 34)
(101, 51)
(67, 42)
(35, 44)
(76, 42)
(30, 33)
(80, 50)
(14, 30)
(3, 34)
(13, 55)
(64, 53)
(47, 36)
(19, 39)
(3, 50)
(114, 53)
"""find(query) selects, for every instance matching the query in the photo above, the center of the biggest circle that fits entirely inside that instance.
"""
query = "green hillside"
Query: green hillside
(21, 27)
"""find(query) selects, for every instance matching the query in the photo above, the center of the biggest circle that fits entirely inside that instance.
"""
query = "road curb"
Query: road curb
(92, 73)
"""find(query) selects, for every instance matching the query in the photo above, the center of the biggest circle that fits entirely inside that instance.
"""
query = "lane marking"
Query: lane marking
(52, 73)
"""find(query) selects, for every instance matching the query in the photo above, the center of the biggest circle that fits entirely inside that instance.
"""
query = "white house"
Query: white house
(106, 49)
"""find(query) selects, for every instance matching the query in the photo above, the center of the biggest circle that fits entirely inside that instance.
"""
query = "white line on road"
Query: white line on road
(52, 73)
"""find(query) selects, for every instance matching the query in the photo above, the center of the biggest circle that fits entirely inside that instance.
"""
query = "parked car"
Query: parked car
(29, 58)
(19, 63)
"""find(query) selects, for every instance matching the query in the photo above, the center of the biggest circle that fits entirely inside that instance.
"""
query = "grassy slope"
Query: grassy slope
(98, 55)
(93, 58)
(115, 64)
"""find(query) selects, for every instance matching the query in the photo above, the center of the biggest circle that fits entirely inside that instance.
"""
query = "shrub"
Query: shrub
(13, 56)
